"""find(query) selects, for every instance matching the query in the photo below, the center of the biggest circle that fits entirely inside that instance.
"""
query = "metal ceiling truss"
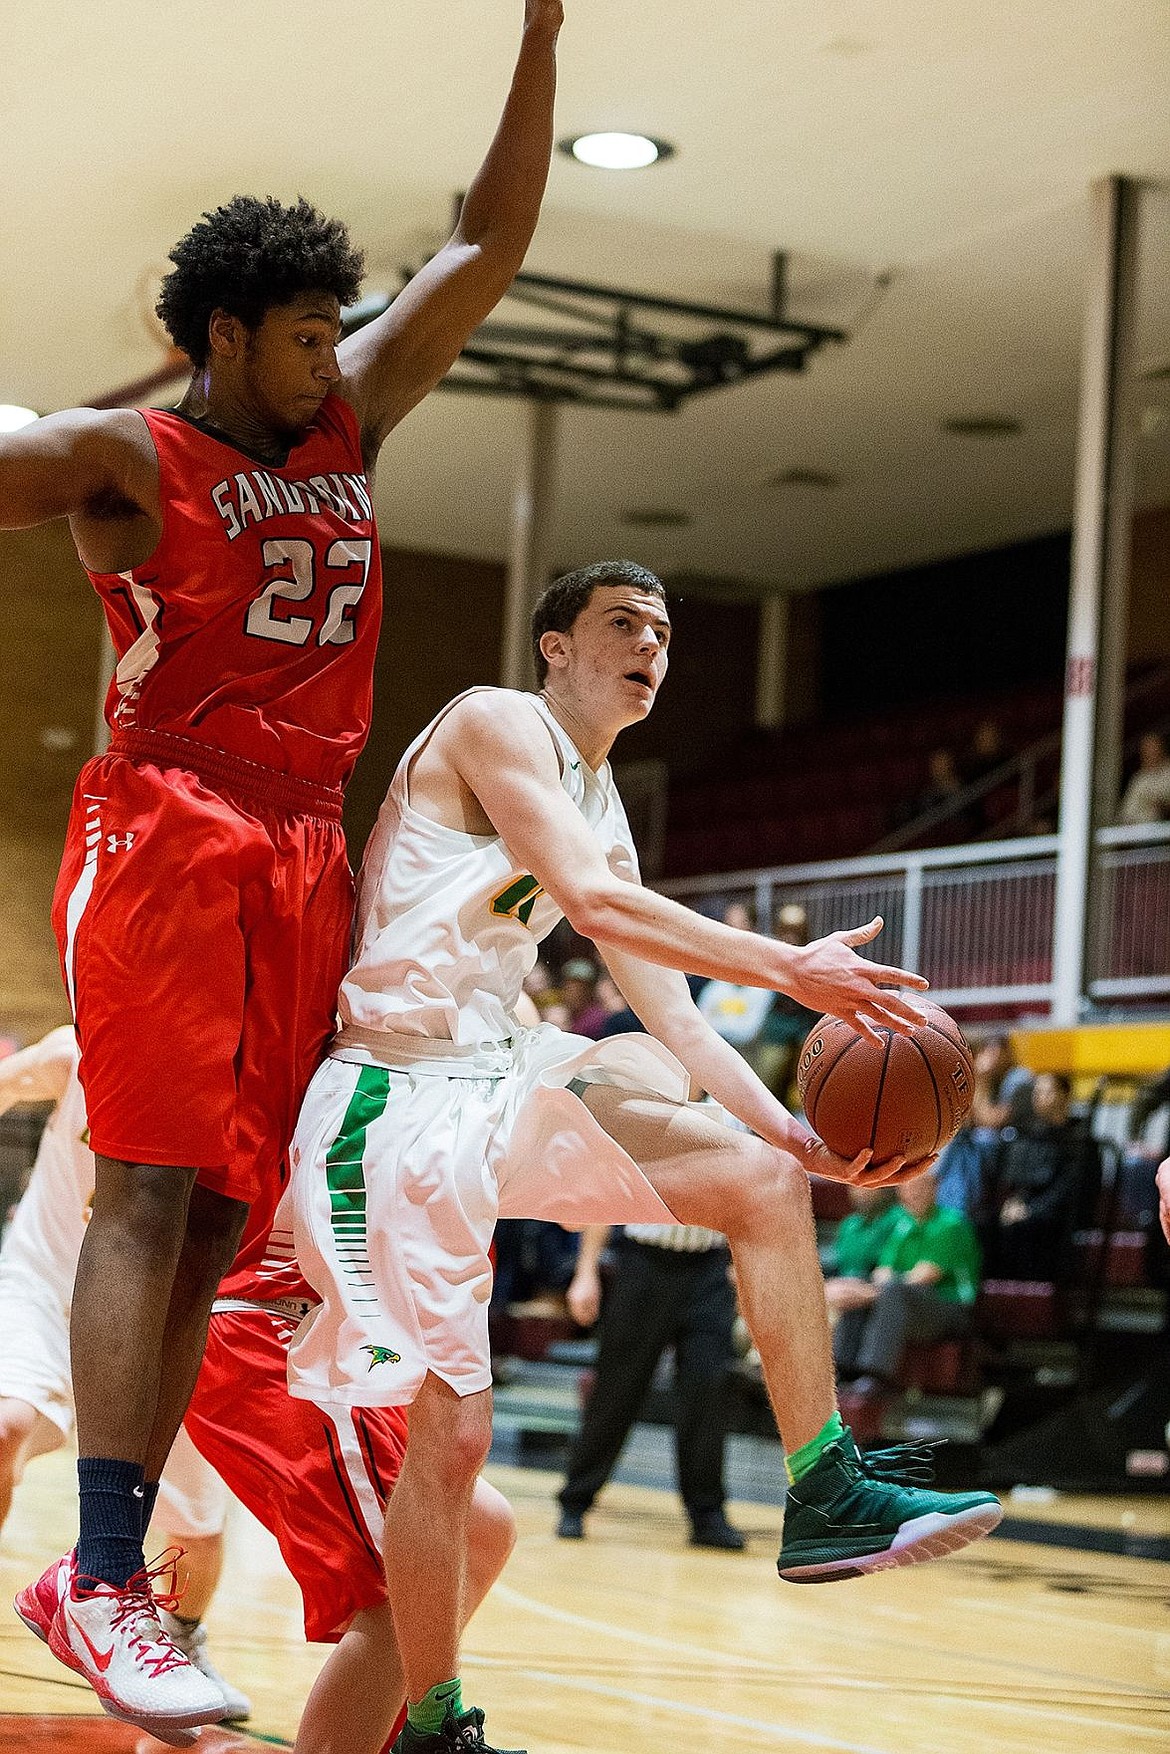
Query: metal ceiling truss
(606, 347)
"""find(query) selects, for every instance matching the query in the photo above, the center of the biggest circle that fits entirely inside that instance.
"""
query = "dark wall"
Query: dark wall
(709, 696)
(979, 622)
(441, 633)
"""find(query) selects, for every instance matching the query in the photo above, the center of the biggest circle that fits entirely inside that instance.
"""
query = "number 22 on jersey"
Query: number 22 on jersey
(294, 576)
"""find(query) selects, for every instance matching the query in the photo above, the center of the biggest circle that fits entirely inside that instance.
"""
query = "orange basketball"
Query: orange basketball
(902, 1096)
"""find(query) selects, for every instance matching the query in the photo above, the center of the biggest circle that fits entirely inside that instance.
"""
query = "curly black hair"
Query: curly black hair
(246, 257)
(559, 605)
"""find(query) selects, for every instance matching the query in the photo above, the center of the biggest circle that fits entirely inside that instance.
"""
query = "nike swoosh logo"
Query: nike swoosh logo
(101, 1659)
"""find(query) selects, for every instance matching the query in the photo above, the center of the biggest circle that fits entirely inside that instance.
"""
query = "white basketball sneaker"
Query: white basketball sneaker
(114, 1638)
(37, 1603)
(192, 1641)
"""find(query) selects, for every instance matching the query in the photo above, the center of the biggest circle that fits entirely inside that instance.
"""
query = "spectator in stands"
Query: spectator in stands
(671, 1286)
(1147, 796)
(1163, 1182)
(960, 1172)
(540, 986)
(606, 1003)
(737, 1013)
(786, 1024)
(578, 988)
(923, 1289)
(1152, 1099)
(943, 783)
(986, 752)
(1039, 1175)
(1003, 1089)
(858, 1245)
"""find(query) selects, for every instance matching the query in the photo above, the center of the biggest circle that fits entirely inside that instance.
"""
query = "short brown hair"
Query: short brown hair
(559, 605)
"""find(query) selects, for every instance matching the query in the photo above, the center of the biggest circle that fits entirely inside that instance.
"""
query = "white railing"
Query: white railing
(977, 920)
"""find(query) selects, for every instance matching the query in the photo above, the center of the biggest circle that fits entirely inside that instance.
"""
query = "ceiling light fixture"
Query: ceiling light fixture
(657, 518)
(991, 426)
(13, 418)
(617, 152)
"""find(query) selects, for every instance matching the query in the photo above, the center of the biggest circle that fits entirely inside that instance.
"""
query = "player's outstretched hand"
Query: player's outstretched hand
(861, 1171)
(1163, 1180)
(831, 977)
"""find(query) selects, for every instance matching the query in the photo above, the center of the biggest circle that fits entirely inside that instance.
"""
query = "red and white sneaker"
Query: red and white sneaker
(38, 1602)
(114, 1638)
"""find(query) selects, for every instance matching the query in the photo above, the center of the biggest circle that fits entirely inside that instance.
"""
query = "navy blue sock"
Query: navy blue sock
(110, 1545)
(149, 1494)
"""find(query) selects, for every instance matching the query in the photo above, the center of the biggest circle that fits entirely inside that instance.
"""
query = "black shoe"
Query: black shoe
(459, 1735)
(571, 1526)
(712, 1529)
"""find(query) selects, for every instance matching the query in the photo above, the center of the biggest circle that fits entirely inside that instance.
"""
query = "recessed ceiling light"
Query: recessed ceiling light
(13, 418)
(617, 152)
(983, 426)
(803, 477)
(657, 518)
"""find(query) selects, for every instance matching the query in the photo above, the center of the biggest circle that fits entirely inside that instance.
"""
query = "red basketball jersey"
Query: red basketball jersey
(253, 625)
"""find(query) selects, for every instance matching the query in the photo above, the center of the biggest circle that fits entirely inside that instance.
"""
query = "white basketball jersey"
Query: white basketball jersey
(449, 923)
(49, 1222)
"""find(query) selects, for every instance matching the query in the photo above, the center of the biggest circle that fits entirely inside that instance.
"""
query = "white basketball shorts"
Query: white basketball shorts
(397, 1181)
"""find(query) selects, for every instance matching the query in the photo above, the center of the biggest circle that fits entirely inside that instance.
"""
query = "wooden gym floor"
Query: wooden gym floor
(631, 1642)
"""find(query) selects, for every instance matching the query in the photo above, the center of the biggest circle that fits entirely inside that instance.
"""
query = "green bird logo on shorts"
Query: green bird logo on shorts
(382, 1355)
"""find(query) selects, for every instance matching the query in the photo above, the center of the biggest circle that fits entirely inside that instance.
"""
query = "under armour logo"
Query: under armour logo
(116, 842)
(382, 1355)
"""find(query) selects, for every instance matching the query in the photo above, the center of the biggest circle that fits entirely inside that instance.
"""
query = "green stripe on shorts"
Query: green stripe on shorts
(343, 1166)
(346, 1181)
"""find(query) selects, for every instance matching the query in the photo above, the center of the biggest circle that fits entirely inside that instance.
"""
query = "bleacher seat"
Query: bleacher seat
(947, 1367)
(1020, 1309)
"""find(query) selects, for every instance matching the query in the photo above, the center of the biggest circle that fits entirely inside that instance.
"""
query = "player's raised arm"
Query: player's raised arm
(392, 363)
(502, 751)
(95, 467)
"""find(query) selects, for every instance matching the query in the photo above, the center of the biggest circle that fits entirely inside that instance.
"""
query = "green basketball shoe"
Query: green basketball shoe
(462, 1734)
(854, 1513)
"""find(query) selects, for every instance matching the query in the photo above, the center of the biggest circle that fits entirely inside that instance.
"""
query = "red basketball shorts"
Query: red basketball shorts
(203, 936)
(317, 1480)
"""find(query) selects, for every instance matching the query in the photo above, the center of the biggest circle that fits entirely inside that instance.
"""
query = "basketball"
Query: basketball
(901, 1096)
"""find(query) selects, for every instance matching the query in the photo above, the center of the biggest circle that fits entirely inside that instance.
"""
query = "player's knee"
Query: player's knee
(771, 1190)
(450, 1436)
(145, 1204)
(491, 1530)
(213, 1230)
(17, 1419)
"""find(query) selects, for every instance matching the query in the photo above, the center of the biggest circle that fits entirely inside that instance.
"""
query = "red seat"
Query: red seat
(948, 1367)
(1019, 1309)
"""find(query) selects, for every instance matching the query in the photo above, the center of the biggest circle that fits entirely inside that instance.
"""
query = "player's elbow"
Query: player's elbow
(590, 910)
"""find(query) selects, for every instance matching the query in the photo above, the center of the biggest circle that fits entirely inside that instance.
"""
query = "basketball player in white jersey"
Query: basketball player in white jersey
(38, 1262)
(436, 1111)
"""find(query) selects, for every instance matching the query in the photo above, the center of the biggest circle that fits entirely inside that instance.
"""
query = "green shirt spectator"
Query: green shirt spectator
(861, 1239)
(945, 1239)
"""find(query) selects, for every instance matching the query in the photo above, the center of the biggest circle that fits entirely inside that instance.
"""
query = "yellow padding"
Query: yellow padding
(1096, 1050)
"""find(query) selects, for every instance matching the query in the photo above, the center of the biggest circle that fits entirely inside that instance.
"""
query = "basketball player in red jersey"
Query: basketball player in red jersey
(203, 905)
